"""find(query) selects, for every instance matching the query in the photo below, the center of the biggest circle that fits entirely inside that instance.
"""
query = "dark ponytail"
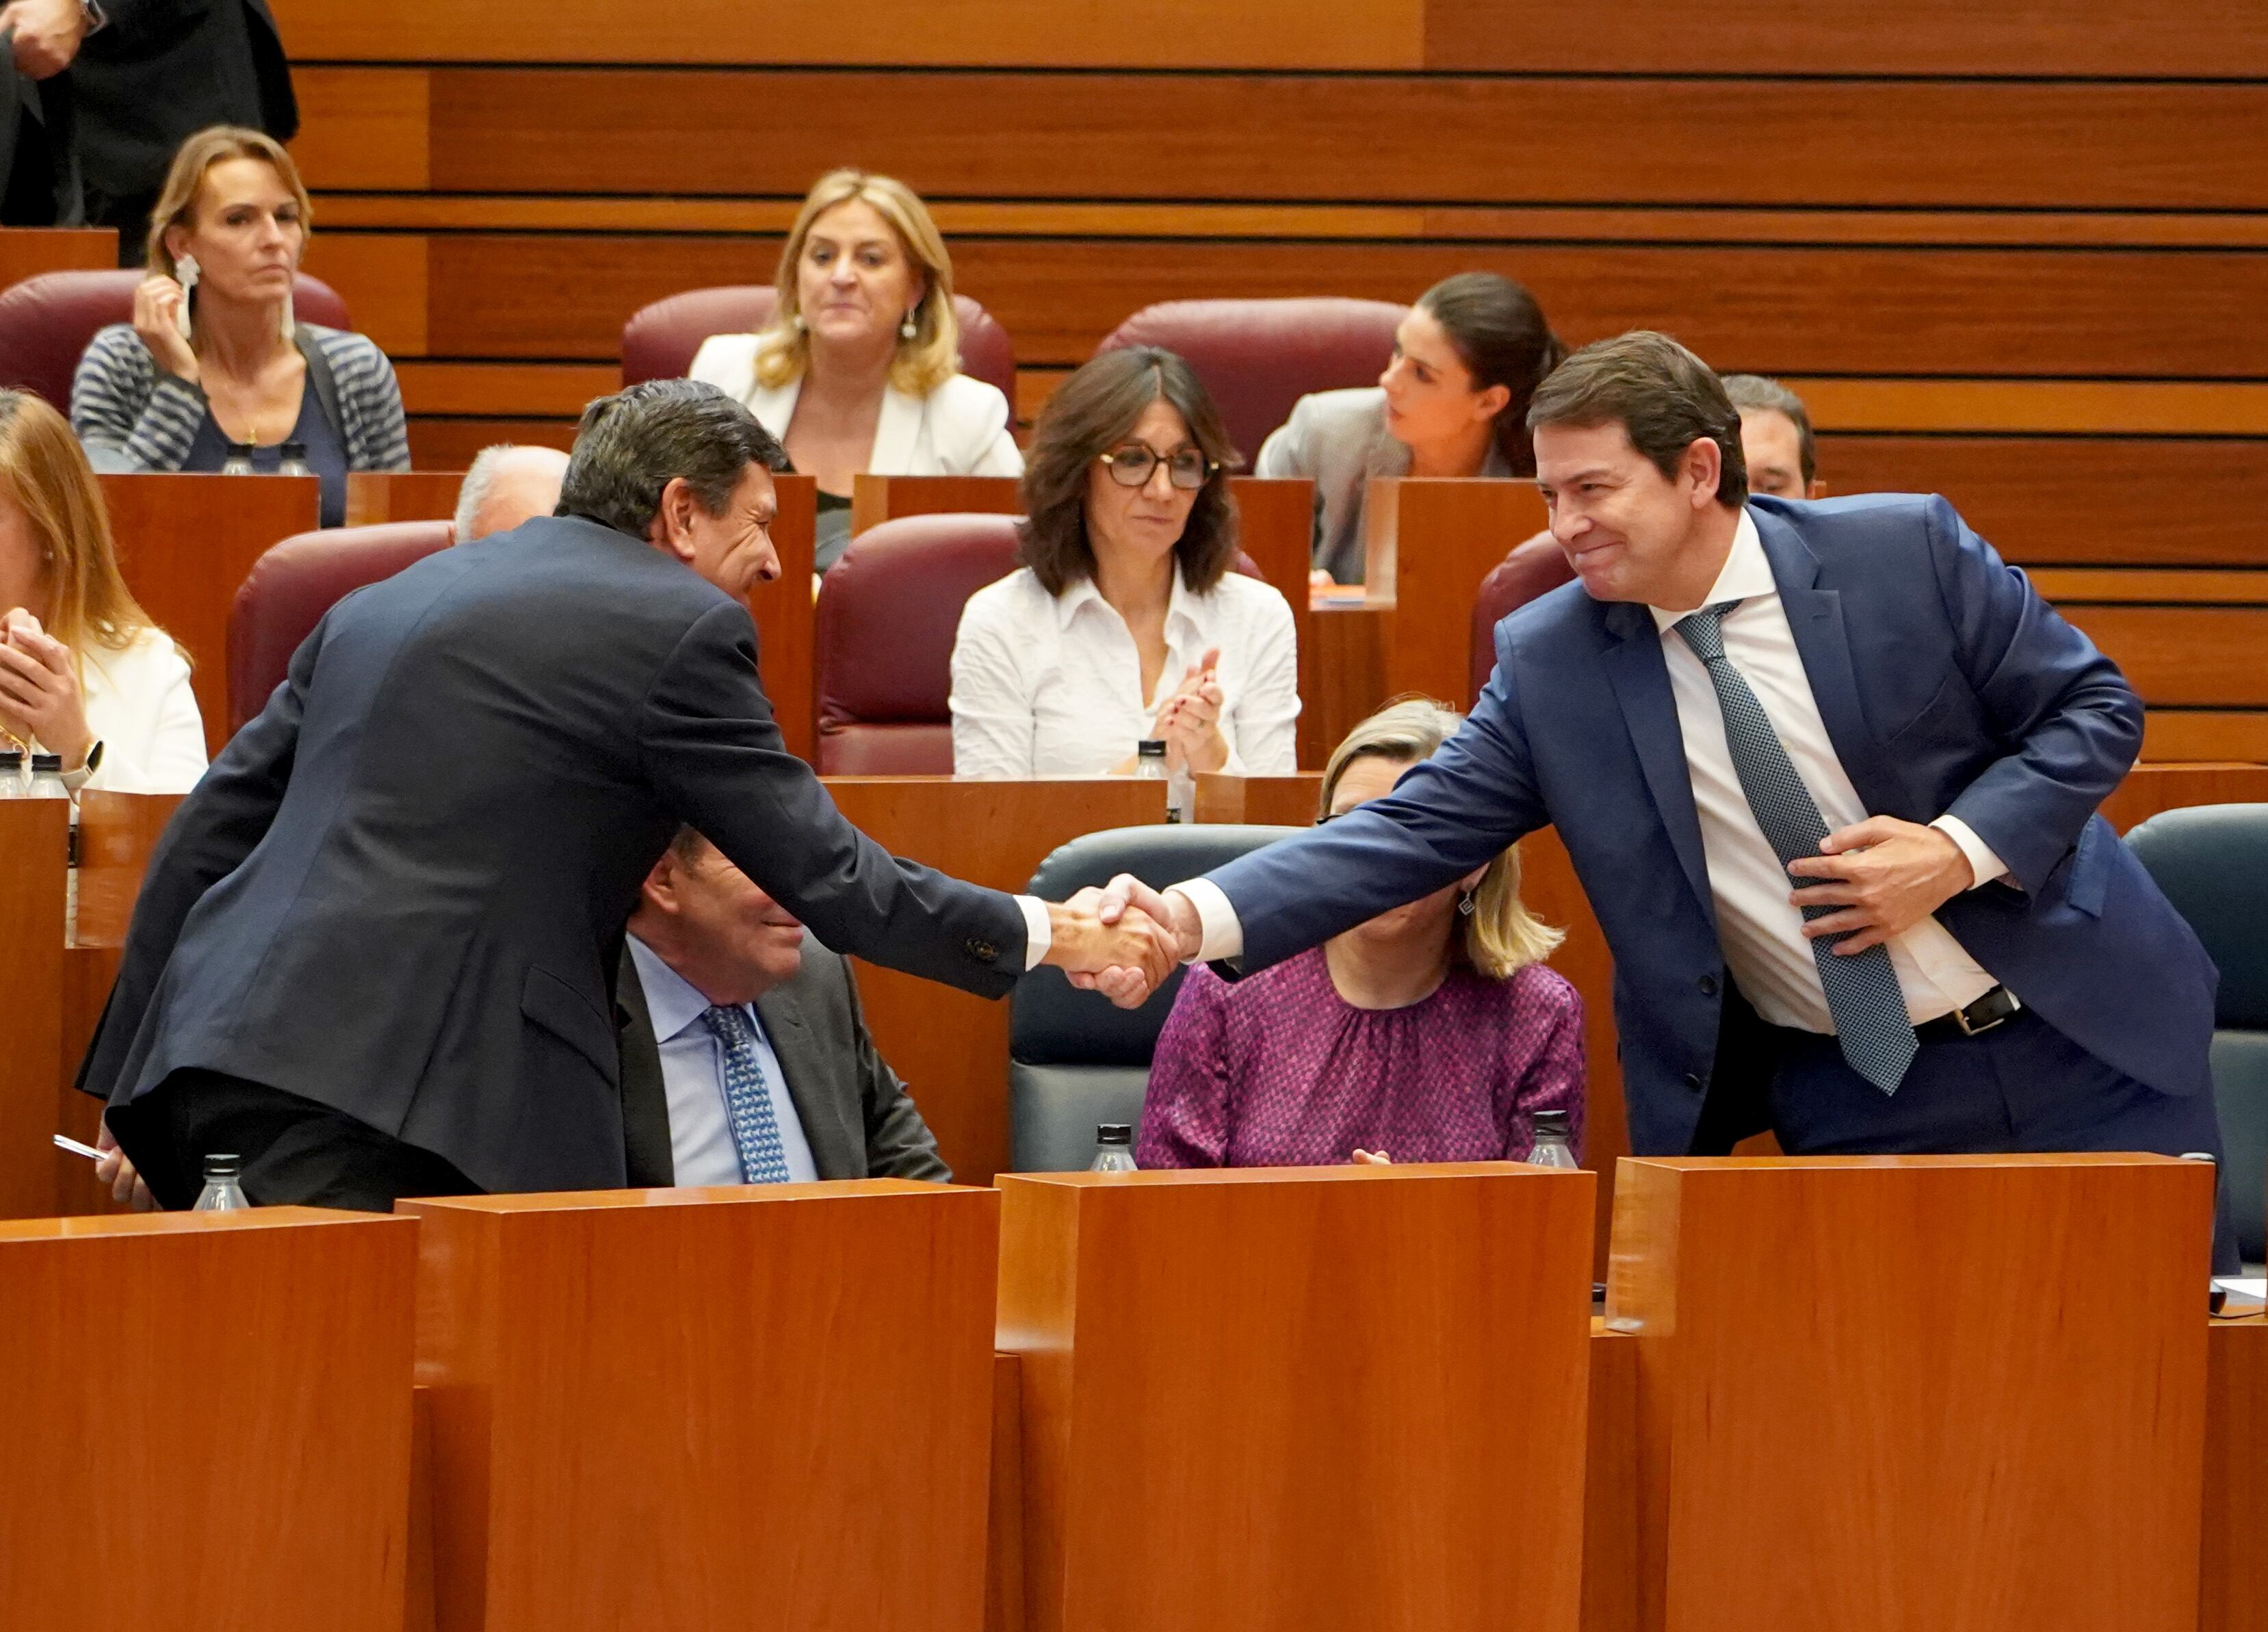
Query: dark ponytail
(1501, 335)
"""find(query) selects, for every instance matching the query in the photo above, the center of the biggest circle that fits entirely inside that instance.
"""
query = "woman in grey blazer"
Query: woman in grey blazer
(1453, 403)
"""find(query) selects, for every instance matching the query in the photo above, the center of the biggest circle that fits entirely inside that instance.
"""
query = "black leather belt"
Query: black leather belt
(1990, 1010)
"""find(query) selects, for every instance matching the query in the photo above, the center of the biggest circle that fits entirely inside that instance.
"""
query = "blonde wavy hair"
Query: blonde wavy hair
(177, 201)
(1501, 935)
(44, 471)
(923, 363)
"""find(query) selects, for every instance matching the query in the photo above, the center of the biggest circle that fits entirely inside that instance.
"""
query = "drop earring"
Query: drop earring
(907, 329)
(1465, 903)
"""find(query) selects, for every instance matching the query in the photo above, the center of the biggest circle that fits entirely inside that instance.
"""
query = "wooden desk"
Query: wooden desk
(787, 642)
(2234, 1557)
(1427, 545)
(1275, 528)
(28, 251)
(951, 1047)
(33, 837)
(1300, 1398)
(1881, 1394)
(185, 543)
(1261, 800)
(764, 1407)
(877, 499)
(375, 496)
(2149, 790)
(207, 1421)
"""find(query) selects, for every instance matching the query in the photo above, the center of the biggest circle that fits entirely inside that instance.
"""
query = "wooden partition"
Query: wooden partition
(1261, 800)
(185, 543)
(33, 834)
(951, 1047)
(1427, 545)
(787, 641)
(207, 1421)
(2149, 789)
(762, 1407)
(1312, 1398)
(2235, 1554)
(28, 251)
(1881, 1394)
(375, 496)
(877, 499)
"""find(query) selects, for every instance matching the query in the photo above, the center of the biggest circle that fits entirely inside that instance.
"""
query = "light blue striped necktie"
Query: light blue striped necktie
(747, 1099)
(1862, 990)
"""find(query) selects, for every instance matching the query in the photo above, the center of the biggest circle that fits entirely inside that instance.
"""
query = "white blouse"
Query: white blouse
(140, 708)
(961, 428)
(1047, 685)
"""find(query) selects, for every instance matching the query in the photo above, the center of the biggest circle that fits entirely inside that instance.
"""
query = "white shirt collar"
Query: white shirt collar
(1181, 606)
(672, 1000)
(1747, 572)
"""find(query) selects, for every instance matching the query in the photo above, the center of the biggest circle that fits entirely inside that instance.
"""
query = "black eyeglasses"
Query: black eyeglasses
(1186, 467)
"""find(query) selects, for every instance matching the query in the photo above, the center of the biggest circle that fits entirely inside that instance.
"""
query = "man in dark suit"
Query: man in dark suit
(1828, 774)
(720, 983)
(142, 75)
(374, 953)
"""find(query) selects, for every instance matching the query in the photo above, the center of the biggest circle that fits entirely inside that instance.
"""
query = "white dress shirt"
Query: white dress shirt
(702, 1151)
(1759, 929)
(1051, 685)
(142, 709)
(959, 428)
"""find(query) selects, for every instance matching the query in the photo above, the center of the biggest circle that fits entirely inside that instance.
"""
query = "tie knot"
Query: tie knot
(1704, 631)
(730, 1025)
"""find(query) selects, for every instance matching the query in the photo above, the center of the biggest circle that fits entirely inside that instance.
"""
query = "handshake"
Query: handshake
(1124, 939)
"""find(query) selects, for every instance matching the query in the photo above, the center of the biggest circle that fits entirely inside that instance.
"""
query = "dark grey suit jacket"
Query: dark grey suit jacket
(400, 891)
(164, 70)
(857, 1116)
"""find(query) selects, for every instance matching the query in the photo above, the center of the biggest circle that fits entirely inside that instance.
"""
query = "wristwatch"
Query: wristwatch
(74, 781)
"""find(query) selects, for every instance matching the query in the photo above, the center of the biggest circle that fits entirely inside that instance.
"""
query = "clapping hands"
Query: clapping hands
(40, 695)
(1188, 721)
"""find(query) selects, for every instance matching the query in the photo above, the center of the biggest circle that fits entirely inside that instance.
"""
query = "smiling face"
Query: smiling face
(1141, 523)
(855, 283)
(733, 549)
(1631, 533)
(245, 232)
(1430, 400)
(708, 921)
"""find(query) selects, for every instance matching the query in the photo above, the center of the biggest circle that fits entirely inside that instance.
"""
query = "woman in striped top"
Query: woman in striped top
(149, 396)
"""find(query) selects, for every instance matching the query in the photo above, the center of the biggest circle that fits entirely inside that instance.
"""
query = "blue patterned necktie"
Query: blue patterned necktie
(755, 1130)
(1862, 989)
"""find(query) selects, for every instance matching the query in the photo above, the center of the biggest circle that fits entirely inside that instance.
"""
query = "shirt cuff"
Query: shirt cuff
(1986, 864)
(1221, 935)
(1038, 937)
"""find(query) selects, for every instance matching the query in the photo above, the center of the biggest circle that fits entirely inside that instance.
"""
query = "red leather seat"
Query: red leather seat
(294, 583)
(887, 620)
(1258, 358)
(1534, 568)
(45, 322)
(660, 340)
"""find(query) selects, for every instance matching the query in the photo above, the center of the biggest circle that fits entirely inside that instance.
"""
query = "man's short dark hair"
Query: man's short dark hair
(1666, 398)
(630, 445)
(1753, 394)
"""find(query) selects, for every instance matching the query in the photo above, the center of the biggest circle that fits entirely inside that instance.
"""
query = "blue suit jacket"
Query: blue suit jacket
(1946, 685)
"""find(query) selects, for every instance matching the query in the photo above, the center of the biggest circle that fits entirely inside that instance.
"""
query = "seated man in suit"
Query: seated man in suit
(506, 486)
(745, 1057)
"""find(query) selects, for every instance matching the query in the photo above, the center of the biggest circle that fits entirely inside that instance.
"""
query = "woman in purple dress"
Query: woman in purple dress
(1431, 1033)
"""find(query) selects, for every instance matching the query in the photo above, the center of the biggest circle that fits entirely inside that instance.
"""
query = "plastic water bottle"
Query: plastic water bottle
(1114, 1148)
(222, 1193)
(295, 461)
(1552, 1147)
(11, 774)
(239, 461)
(1150, 760)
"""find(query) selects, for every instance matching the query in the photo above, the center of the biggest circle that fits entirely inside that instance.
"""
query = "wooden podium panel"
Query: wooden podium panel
(206, 1420)
(28, 251)
(787, 640)
(755, 1409)
(1907, 1393)
(185, 543)
(2233, 1583)
(1265, 800)
(877, 499)
(34, 836)
(375, 496)
(1301, 1399)
(951, 1047)
(2150, 789)
(1428, 543)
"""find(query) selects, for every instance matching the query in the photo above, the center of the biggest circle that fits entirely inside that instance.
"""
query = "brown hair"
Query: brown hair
(923, 363)
(1666, 398)
(1501, 935)
(1499, 335)
(44, 471)
(1095, 411)
(1753, 393)
(177, 201)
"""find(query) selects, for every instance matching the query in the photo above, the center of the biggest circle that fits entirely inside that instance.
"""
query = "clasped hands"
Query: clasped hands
(39, 696)
(1124, 939)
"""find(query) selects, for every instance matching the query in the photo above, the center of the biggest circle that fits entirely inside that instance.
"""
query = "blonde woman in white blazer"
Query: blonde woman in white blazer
(858, 369)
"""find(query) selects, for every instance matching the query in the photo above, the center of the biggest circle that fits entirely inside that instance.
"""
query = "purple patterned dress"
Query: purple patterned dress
(1279, 1070)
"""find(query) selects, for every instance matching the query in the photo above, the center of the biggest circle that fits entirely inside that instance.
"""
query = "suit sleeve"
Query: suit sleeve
(713, 753)
(218, 825)
(1457, 811)
(2069, 723)
(899, 1144)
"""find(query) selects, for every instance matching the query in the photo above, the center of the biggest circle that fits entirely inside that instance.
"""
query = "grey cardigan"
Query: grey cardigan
(1338, 440)
(130, 417)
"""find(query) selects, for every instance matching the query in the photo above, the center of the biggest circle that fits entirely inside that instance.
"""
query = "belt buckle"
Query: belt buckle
(1961, 1018)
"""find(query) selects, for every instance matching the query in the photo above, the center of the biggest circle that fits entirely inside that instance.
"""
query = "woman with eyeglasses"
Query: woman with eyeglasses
(1125, 623)
(1431, 1033)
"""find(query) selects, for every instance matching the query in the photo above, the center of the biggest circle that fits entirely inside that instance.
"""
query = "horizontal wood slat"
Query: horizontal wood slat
(1282, 138)
(2196, 657)
(2074, 313)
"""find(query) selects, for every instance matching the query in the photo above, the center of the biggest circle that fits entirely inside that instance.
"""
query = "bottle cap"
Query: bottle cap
(11, 757)
(1551, 1122)
(1113, 1133)
(296, 450)
(218, 1166)
(1150, 748)
(47, 762)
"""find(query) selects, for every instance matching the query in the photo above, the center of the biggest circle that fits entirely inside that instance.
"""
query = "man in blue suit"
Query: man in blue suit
(1828, 774)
